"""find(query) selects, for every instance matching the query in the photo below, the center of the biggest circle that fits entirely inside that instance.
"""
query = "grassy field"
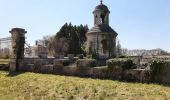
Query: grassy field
(4, 61)
(31, 86)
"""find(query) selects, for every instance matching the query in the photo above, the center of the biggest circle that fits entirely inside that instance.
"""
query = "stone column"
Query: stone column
(18, 42)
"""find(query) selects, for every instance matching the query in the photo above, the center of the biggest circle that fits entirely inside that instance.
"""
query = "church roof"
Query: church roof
(101, 28)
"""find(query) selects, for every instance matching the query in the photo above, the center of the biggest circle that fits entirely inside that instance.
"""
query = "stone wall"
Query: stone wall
(83, 68)
(164, 74)
(114, 71)
(4, 67)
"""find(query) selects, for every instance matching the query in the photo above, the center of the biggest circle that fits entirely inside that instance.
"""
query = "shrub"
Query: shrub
(86, 63)
(124, 63)
(123, 57)
(95, 56)
(81, 56)
(89, 56)
(66, 62)
(158, 70)
(157, 66)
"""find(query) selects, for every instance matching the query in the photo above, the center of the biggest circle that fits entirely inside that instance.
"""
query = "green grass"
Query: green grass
(4, 61)
(31, 86)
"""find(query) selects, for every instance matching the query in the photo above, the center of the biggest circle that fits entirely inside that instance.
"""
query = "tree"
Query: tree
(56, 45)
(118, 49)
(48, 41)
(75, 35)
(69, 40)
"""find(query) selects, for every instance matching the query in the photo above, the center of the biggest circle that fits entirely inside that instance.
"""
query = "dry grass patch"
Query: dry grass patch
(27, 86)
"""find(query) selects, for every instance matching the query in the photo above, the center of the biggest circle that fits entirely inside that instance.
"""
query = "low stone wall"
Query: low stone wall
(32, 60)
(4, 67)
(71, 71)
(100, 72)
(117, 69)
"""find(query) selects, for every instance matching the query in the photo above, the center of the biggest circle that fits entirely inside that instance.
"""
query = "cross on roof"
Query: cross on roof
(101, 1)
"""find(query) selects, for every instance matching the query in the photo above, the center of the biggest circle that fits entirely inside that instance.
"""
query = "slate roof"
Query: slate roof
(101, 28)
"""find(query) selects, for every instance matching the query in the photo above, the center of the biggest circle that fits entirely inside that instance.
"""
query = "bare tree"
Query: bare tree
(57, 45)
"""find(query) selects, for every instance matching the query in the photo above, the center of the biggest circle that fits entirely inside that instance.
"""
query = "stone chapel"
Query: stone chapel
(101, 38)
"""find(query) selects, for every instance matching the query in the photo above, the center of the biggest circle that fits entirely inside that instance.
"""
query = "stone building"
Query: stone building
(101, 38)
(5, 47)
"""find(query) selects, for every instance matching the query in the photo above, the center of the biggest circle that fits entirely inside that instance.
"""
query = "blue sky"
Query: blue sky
(141, 24)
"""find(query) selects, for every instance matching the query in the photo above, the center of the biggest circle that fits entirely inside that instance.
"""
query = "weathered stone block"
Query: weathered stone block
(4, 67)
(42, 55)
(136, 75)
(84, 66)
(65, 62)
(47, 68)
(38, 63)
(86, 63)
(69, 70)
(100, 72)
(59, 56)
(71, 56)
(12, 67)
(28, 68)
(117, 66)
(58, 66)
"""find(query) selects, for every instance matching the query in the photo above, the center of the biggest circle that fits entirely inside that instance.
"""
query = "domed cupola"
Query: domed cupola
(101, 14)
(101, 7)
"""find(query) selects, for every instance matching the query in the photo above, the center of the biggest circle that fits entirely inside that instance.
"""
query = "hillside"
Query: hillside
(31, 86)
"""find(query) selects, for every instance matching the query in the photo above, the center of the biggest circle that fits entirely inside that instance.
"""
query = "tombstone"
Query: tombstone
(18, 42)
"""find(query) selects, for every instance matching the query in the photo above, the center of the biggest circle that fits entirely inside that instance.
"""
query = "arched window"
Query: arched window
(95, 19)
(104, 45)
(102, 16)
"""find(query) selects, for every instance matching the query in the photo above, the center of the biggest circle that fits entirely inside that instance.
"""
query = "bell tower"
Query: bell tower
(101, 38)
(101, 14)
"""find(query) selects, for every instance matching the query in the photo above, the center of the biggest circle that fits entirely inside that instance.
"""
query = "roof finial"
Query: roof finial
(101, 1)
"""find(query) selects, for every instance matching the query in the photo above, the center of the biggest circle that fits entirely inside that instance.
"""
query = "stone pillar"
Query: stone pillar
(18, 42)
